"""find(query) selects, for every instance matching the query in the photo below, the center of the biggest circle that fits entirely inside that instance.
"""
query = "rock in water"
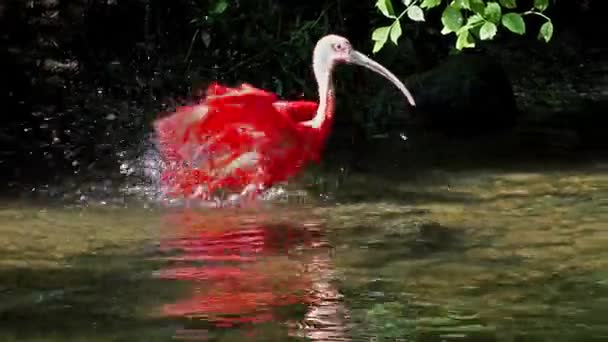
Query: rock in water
(469, 94)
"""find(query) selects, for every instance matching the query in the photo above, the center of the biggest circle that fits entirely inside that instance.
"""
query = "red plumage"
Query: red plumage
(233, 138)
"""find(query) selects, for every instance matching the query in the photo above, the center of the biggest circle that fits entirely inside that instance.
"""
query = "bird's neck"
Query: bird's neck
(325, 111)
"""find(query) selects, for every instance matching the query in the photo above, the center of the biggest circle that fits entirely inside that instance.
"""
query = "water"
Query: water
(493, 254)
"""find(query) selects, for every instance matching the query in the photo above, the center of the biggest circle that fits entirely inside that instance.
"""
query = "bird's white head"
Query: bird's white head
(333, 49)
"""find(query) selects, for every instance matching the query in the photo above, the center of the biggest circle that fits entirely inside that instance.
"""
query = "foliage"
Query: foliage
(468, 20)
(265, 30)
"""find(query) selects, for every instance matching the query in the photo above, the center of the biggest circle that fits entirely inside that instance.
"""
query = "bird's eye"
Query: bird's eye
(338, 47)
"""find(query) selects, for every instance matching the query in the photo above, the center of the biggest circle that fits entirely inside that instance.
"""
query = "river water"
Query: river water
(480, 254)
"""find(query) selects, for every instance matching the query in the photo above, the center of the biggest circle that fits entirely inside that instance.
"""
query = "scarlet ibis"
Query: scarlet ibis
(244, 139)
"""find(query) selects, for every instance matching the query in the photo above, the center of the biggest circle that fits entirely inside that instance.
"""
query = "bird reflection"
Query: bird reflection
(245, 270)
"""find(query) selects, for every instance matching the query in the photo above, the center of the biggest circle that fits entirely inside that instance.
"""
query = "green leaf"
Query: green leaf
(487, 31)
(478, 6)
(430, 3)
(380, 36)
(451, 18)
(381, 33)
(219, 7)
(508, 3)
(396, 31)
(407, 2)
(474, 31)
(541, 5)
(514, 22)
(464, 41)
(386, 7)
(492, 12)
(546, 31)
(378, 46)
(415, 13)
(463, 4)
(472, 22)
(474, 19)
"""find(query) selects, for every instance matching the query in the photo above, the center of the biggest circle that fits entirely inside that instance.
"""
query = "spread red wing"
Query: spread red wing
(298, 111)
(234, 138)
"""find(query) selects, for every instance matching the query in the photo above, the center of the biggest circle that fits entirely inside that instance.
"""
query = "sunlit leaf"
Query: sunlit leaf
(487, 31)
(464, 4)
(465, 40)
(514, 22)
(541, 5)
(407, 2)
(471, 23)
(386, 7)
(381, 33)
(451, 18)
(492, 12)
(378, 46)
(508, 3)
(395, 31)
(415, 13)
(546, 31)
(474, 19)
(380, 36)
(430, 3)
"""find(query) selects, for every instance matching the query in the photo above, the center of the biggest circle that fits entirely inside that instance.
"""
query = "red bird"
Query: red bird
(244, 139)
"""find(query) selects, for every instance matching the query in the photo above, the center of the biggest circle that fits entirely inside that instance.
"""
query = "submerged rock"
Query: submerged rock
(469, 94)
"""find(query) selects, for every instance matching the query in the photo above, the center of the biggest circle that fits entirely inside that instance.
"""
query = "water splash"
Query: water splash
(144, 171)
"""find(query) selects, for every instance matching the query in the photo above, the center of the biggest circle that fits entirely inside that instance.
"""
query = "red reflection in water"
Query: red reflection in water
(243, 270)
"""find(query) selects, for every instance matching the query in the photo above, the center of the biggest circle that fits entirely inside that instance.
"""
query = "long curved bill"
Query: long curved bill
(356, 57)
